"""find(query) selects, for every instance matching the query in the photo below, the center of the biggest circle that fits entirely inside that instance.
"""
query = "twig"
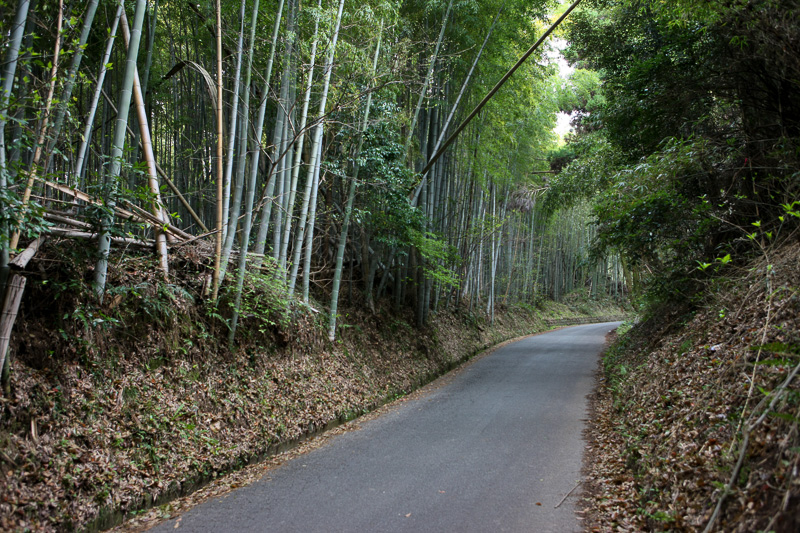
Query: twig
(567, 495)
(776, 395)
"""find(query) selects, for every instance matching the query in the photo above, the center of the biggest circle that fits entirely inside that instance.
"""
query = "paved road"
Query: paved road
(495, 449)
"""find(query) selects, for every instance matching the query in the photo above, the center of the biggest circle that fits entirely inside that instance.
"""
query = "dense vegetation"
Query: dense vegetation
(281, 141)
(688, 122)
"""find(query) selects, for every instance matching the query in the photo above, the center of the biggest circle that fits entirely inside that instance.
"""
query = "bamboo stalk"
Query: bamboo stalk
(89, 235)
(66, 220)
(13, 297)
(16, 31)
(337, 273)
(87, 132)
(21, 261)
(262, 110)
(316, 154)
(496, 88)
(220, 162)
(40, 142)
(118, 143)
(152, 175)
(234, 115)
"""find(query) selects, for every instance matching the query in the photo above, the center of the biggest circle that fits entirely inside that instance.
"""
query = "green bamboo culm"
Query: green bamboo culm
(117, 147)
(6, 85)
(337, 275)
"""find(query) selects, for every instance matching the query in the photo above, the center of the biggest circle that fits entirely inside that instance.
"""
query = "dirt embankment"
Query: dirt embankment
(696, 424)
(116, 409)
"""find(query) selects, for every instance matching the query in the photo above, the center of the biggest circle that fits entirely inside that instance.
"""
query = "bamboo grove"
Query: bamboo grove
(283, 140)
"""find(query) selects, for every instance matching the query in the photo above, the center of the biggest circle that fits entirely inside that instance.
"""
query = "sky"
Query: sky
(555, 56)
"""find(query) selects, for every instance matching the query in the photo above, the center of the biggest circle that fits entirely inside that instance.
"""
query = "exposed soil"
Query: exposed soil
(695, 422)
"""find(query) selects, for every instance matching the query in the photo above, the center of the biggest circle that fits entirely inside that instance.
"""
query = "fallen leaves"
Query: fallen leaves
(105, 437)
(667, 435)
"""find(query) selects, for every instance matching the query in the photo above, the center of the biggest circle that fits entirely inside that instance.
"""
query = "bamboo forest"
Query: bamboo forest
(261, 216)
(282, 142)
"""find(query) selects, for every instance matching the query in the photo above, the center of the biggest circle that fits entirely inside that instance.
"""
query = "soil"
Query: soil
(695, 421)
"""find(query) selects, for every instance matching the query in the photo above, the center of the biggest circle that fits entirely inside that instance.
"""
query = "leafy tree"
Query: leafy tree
(693, 131)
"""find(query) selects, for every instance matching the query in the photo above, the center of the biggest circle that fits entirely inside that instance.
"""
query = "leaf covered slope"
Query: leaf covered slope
(700, 411)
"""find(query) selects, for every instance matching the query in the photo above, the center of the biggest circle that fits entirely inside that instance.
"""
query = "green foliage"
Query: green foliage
(160, 303)
(651, 217)
(13, 217)
(383, 204)
(656, 75)
(264, 299)
(582, 97)
(441, 259)
(586, 167)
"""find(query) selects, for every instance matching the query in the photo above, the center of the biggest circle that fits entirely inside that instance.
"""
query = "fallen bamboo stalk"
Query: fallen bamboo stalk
(137, 214)
(22, 259)
(66, 220)
(80, 195)
(154, 221)
(49, 200)
(68, 214)
(62, 232)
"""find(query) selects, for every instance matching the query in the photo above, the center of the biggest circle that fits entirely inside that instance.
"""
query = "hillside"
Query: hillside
(696, 421)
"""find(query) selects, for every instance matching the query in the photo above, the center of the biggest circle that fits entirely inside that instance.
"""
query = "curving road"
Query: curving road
(495, 448)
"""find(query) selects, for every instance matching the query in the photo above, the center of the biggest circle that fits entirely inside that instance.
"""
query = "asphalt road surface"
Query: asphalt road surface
(496, 448)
